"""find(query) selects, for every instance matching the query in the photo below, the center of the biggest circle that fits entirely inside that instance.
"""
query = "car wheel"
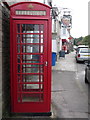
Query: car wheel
(86, 81)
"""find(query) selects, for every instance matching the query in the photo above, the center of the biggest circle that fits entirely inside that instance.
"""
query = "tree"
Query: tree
(78, 41)
(86, 40)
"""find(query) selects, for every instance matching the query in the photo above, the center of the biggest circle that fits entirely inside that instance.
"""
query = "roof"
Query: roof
(29, 2)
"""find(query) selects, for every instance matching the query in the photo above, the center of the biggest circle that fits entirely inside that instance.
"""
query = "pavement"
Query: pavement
(69, 99)
(62, 63)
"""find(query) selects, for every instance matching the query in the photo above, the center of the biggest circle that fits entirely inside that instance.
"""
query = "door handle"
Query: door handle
(46, 63)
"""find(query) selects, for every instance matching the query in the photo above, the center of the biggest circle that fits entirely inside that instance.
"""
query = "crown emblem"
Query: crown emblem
(30, 6)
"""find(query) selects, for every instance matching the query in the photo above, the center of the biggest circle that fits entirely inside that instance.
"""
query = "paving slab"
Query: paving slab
(69, 92)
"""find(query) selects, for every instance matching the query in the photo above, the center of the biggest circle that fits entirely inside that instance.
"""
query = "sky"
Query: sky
(79, 15)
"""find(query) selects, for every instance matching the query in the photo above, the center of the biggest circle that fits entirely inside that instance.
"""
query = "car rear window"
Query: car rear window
(84, 50)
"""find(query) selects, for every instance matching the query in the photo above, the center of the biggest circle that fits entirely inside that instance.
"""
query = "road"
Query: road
(69, 91)
(80, 77)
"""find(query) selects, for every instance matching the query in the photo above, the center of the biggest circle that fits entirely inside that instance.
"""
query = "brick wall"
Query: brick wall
(4, 62)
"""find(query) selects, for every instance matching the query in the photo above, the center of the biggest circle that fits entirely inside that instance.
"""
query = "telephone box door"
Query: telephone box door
(29, 78)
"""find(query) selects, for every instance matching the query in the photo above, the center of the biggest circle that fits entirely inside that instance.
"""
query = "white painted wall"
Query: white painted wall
(60, 44)
(54, 46)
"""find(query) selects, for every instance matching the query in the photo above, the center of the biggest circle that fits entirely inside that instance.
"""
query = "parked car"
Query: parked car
(81, 46)
(83, 54)
(87, 72)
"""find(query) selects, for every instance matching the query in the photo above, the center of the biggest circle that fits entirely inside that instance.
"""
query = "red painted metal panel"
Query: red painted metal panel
(41, 105)
(26, 6)
(37, 3)
(30, 60)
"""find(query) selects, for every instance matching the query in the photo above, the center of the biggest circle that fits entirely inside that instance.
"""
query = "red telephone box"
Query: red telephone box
(30, 50)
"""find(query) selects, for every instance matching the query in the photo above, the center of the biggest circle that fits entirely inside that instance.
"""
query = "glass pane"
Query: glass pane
(19, 87)
(32, 97)
(30, 78)
(19, 98)
(41, 28)
(32, 38)
(18, 38)
(30, 12)
(18, 28)
(18, 48)
(31, 48)
(19, 78)
(30, 28)
(42, 39)
(31, 58)
(32, 68)
(32, 87)
(27, 68)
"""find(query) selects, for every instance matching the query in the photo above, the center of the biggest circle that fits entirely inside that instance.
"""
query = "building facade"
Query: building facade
(66, 25)
(55, 30)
